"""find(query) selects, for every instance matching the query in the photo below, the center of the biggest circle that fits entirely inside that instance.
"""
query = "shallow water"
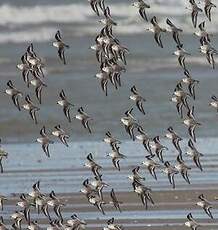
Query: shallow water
(27, 164)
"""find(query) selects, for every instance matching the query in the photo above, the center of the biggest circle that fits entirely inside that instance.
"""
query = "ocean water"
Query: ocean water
(153, 70)
(38, 20)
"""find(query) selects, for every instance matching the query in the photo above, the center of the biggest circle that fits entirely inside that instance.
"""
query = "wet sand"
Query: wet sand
(169, 211)
(27, 164)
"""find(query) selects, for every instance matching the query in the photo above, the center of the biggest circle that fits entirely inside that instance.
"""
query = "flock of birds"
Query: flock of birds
(111, 56)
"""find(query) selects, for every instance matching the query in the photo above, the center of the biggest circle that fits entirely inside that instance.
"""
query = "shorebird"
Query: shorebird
(25, 68)
(108, 21)
(17, 216)
(205, 204)
(15, 227)
(191, 223)
(34, 61)
(181, 54)
(76, 223)
(114, 200)
(151, 165)
(194, 12)
(93, 165)
(175, 31)
(55, 202)
(179, 104)
(190, 82)
(88, 189)
(117, 70)
(41, 205)
(38, 84)
(35, 190)
(141, 5)
(182, 168)
(144, 193)
(112, 226)
(3, 154)
(209, 52)
(103, 77)
(29, 106)
(156, 29)
(109, 139)
(61, 134)
(180, 93)
(191, 123)
(171, 172)
(119, 52)
(158, 148)
(116, 156)
(2, 200)
(25, 204)
(129, 123)
(65, 104)
(14, 93)
(214, 102)
(135, 175)
(98, 184)
(144, 139)
(173, 136)
(202, 33)
(44, 140)
(61, 46)
(208, 7)
(84, 118)
(98, 202)
(98, 48)
(137, 98)
(195, 154)
(94, 6)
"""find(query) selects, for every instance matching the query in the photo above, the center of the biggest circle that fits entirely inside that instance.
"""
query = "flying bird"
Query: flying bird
(138, 99)
(61, 46)
(156, 29)
(14, 93)
(29, 106)
(44, 140)
(65, 104)
(141, 5)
